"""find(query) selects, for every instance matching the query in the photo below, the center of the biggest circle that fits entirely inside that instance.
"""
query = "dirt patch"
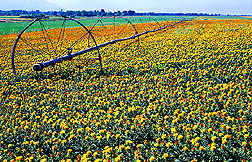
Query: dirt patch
(14, 19)
(247, 17)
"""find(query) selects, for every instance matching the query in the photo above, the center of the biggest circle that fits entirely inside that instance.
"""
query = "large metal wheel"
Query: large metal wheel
(48, 41)
(48, 38)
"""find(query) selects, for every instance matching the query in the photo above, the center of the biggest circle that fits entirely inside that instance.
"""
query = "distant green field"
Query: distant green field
(16, 27)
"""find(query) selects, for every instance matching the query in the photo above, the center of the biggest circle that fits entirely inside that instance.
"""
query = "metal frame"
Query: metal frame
(70, 55)
(40, 66)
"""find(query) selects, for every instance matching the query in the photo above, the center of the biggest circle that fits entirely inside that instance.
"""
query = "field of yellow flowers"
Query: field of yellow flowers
(182, 94)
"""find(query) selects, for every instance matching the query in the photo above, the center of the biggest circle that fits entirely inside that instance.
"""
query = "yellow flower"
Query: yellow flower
(35, 143)
(64, 141)
(43, 160)
(244, 143)
(224, 140)
(79, 130)
(139, 145)
(246, 135)
(19, 158)
(226, 136)
(121, 147)
(127, 148)
(168, 144)
(185, 148)
(99, 137)
(201, 148)
(213, 138)
(212, 148)
(173, 130)
(165, 155)
(180, 137)
(26, 127)
(163, 136)
(62, 132)
(69, 150)
(97, 124)
(31, 158)
(152, 158)
(197, 138)
(95, 154)
(118, 158)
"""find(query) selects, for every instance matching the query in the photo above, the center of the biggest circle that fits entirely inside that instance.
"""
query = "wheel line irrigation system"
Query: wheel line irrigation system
(39, 66)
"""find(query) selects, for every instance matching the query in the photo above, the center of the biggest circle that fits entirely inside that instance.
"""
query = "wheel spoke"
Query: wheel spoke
(75, 43)
(60, 38)
(30, 45)
(46, 35)
(114, 29)
(104, 26)
(122, 30)
(144, 25)
(95, 33)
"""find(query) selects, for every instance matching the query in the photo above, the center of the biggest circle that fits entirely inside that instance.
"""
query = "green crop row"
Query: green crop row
(17, 27)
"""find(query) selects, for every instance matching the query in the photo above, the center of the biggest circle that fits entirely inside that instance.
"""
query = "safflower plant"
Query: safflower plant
(183, 94)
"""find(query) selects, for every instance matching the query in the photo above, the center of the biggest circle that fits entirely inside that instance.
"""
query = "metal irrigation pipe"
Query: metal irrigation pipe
(69, 56)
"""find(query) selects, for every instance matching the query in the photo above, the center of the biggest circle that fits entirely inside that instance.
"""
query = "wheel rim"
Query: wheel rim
(32, 47)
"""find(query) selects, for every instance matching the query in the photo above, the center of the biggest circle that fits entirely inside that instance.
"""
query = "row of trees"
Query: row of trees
(71, 13)
(100, 13)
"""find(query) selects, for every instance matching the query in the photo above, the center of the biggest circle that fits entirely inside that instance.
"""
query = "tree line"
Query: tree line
(100, 13)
